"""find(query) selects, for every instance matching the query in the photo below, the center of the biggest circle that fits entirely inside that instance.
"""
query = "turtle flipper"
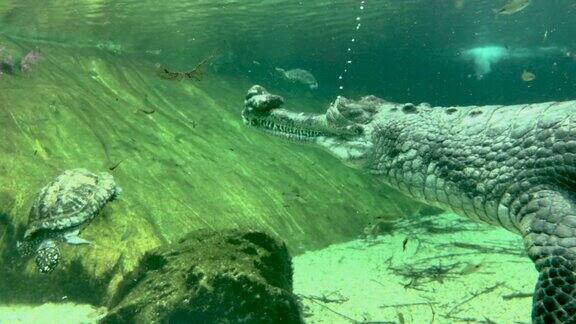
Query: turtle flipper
(549, 224)
(47, 256)
(73, 238)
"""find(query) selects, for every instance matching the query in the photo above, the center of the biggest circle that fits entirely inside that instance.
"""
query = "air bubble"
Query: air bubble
(352, 40)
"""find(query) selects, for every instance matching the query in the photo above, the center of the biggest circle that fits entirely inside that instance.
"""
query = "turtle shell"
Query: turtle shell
(70, 200)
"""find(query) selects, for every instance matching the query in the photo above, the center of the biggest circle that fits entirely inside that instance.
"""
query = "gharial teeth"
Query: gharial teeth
(288, 130)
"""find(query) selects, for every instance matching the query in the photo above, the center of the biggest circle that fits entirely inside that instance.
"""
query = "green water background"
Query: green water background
(405, 50)
(193, 164)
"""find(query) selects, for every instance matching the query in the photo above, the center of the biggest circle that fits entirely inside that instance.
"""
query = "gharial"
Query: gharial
(61, 210)
(512, 166)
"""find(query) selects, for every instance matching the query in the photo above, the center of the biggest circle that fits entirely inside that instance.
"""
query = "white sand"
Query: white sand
(355, 278)
(67, 313)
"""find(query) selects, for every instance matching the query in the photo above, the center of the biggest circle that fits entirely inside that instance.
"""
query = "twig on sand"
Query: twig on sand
(474, 295)
(324, 299)
(517, 295)
(408, 304)
(419, 276)
(429, 304)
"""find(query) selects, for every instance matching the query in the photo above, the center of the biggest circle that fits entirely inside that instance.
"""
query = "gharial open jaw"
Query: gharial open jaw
(344, 130)
(261, 110)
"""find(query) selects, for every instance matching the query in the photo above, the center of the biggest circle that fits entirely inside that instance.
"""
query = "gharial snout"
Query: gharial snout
(258, 100)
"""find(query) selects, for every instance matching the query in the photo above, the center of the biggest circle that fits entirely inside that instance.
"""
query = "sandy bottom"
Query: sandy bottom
(435, 269)
(68, 313)
(439, 269)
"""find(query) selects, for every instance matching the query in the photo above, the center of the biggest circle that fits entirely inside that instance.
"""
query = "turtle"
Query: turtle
(61, 210)
(299, 76)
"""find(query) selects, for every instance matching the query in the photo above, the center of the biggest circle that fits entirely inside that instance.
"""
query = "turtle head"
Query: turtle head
(47, 256)
(116, 192)
(106, 182)
(26, 248)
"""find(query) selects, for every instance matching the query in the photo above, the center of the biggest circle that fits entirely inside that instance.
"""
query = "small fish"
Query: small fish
(528, 76)
(147, 111)
(470, 268)
(513, 7)
(459, 4)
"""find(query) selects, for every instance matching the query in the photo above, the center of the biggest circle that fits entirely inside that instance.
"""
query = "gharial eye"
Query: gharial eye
(358, 131)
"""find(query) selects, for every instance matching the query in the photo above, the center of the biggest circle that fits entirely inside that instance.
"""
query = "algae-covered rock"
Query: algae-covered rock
(181, 155)
(229, 276)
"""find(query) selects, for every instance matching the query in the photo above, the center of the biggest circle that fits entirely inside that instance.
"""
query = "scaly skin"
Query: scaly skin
(511, 166)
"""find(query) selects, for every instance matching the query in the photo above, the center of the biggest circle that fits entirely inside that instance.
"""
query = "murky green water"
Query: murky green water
(96, 98)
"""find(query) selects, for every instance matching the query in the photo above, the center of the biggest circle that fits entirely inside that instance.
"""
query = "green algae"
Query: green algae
(190, 164)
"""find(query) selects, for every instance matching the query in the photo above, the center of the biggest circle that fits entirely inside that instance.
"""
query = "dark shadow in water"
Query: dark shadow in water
(70, 283)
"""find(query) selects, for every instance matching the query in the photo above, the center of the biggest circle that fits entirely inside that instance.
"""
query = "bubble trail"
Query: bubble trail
(351, 46)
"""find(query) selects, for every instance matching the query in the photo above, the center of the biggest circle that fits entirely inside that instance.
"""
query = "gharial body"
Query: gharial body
(511, 166)
(61, 210)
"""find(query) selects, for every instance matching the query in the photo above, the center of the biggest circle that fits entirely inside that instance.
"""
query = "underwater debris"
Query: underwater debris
(379, 226)
(7, 65)
(321, 301)
(401, 316)
(325, 298)
(196, 72)
(28, 59)
(422, 276)
(401, 319)
(513, 7)
(486, 248)
(409, 304)
(517, 295)
(456, 309)
(114, 166)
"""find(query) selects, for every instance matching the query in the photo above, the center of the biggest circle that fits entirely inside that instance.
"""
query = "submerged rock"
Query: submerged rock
(210, 276)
